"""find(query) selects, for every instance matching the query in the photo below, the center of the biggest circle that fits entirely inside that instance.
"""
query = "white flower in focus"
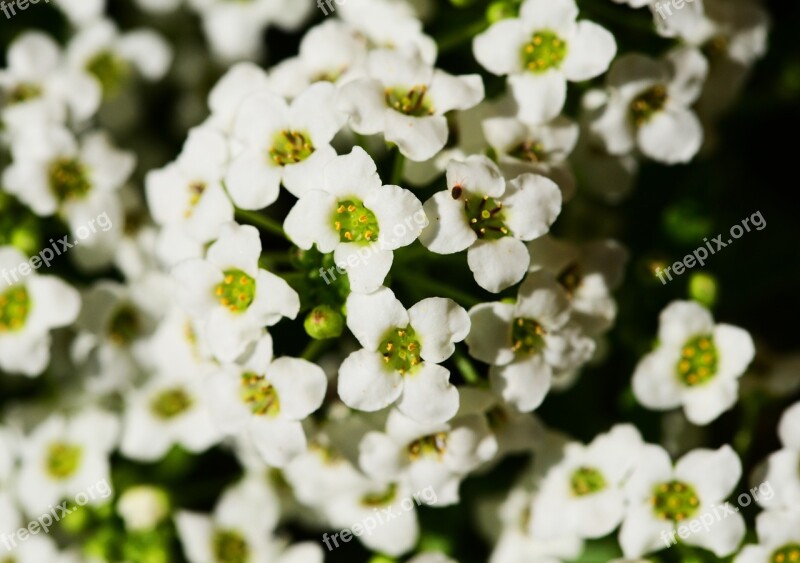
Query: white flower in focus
(274, 142)
(482, 212)
(400, 356)
(406, 99)
(696, 365)
(649, 106)
(661, 498)
(30, 308)
(361, 221)
(529, 342)
(783, 474)
(540, 51)
(230, 295)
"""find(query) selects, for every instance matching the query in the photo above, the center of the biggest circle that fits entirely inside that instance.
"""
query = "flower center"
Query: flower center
(260, 395)
(196, 191)
(62, 459)
(290, 147)
(716, 47)
(109, 69)
(401, 349)
(236, 291)
(486, 217)
(529, 151)
(409, 102)
(570, 279)
(69, 179)
(170, 403)
(433, 445)
(355, 223)
(230, 546)
(15, 304)
(587, 481)
(675, 501)
(647, 104)
(381, 498)
(24, 92)
(789, 552)
(124, 325)
(527, 336)
(545, 50)
(698, 363)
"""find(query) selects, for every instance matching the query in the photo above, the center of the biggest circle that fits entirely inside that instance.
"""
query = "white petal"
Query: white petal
(366, 265)
(371, 316)
(476, 175)
(448, 231)
(277, 441)
(642, 532)
(532, 204)
(149, 52)
(55, 303)
(252, 181)
(706, 402)
(365, 101)
(438, 322)
(310, 222)
(365, 383)
(735, 349)
(591, 50)
(378, 456)
(498, 264)
(418, 138)
(713, 473)
(540, 97)
(489, 339)
(556, 15)
(672, 136)
(274, 299)
(352, 175)
(428, 396)
(724, 536)
(789, 427)
(691, 69)
(300, 386)
(655, 381)
(309, 174)
(523, 384)
(315, 112)
(499, 48)
(238, 246)
(450, 92)
(399, 214)
(682, 320)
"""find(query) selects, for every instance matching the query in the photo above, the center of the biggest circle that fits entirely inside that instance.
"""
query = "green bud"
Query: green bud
(79, 519)
(703, 289)
(324, 322)
(499, 10)
(462, 3)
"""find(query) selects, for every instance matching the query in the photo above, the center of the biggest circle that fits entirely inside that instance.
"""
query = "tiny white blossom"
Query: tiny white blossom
(782, 466)
(778, 538)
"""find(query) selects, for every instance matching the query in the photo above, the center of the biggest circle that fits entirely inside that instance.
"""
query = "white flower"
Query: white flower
(529, 342)
(30, 307)
(64, 457)
(227, 95)
(662, 498)
(352, 215)
(649, 106)
(782, 466)
(778, 538)
(188, 194)
(36, 85)
(274, 142)
(230, 295)
(142, 507)
(541, 50)
(439, 456)
(583, 494)
(697, 364)
(406, 99)
(634, 3)
(401, 350)
(177, 345)
(169, 410)
(269, 400)
(541, 149)
(481, 212)
(81, 12)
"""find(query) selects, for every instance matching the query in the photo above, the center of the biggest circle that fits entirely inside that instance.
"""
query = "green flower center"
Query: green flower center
(230, 547)
(527, 336)
(69, 179)
(381, 498)
(260, 395)
(170, 403)
(570, 279)
(24, 92)
(409, 101)
(236, 291)
(529, 151)
(290, 147)
(63, 459)
(124, 326)
(785, 554)
(355, 223)
(698, 363)
(433, 445)
(675, 501)
(110, 70)
(544, 51)
(587, 481)
(401, 349)
(647, 104)
(486, 217)
(15, 305)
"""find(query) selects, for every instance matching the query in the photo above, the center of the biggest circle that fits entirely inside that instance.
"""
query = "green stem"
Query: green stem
(420, 282)
(397, 167)
(466, 368)
(263, 222)
(315, 349)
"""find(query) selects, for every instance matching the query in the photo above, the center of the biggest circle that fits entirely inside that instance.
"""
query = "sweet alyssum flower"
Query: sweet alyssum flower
(541, 50)
(491, 218)
(401, 350)
(361, 221)
(778, 538)
(406, 98)
(649, 106)
(583, 494)
(230, 295)
(529, 342)
(697, 364)
(661, 498)
(783, 472)
(30, 307)
(274, 142)
(226, 97)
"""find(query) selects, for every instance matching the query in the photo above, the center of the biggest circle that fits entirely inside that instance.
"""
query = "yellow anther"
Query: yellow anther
(348, 235)
(229, 279)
